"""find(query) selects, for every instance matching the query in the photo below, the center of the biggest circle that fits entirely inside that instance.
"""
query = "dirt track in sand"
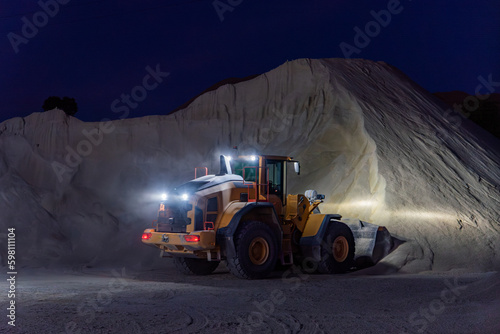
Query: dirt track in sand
(121, 301)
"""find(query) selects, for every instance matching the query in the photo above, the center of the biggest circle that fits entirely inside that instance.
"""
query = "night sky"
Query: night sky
(95, 51)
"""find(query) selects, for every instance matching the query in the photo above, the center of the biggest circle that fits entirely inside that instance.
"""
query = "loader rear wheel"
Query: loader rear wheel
(337, 250)
(191, 266)
(256, 251)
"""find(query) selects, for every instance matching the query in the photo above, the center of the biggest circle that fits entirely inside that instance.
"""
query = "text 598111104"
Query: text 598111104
(11, 274)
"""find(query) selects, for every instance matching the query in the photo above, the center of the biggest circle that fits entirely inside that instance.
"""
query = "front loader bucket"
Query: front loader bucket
(372, 242)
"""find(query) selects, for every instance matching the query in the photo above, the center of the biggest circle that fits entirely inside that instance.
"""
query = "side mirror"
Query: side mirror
(296, 166)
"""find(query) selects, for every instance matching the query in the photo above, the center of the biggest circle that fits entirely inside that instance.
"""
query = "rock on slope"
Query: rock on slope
(377, 145)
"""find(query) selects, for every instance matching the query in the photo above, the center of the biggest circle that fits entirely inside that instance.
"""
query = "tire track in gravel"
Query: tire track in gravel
(277, 323)
(255, 322)
(297, 324)
(179, 320)
(327, 323)
(199, 321)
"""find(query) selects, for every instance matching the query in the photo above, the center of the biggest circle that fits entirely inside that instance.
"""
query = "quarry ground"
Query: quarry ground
(118, 300)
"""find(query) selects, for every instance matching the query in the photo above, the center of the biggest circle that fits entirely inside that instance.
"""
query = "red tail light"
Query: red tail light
(192, 238)
(146, 236)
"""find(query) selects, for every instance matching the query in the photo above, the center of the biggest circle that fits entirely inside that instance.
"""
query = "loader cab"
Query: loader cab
(277, 178)
(267, 175)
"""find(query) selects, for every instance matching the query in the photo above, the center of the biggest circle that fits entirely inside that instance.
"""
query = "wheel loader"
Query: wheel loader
(243, 215)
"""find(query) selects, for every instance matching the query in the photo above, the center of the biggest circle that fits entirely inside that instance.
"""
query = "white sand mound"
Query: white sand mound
(378, 146)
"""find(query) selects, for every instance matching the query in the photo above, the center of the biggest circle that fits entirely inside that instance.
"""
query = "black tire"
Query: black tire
(337, 249)
(256, 251)
(191, 266)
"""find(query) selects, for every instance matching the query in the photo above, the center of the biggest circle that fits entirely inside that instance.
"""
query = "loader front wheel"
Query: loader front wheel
(337, 250)
(256, 251)
(191, 266)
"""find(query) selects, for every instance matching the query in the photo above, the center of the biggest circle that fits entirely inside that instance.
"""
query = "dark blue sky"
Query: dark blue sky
(97, 50)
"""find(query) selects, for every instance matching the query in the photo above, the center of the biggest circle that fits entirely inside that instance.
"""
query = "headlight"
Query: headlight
(164, 197)
(184, 197)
